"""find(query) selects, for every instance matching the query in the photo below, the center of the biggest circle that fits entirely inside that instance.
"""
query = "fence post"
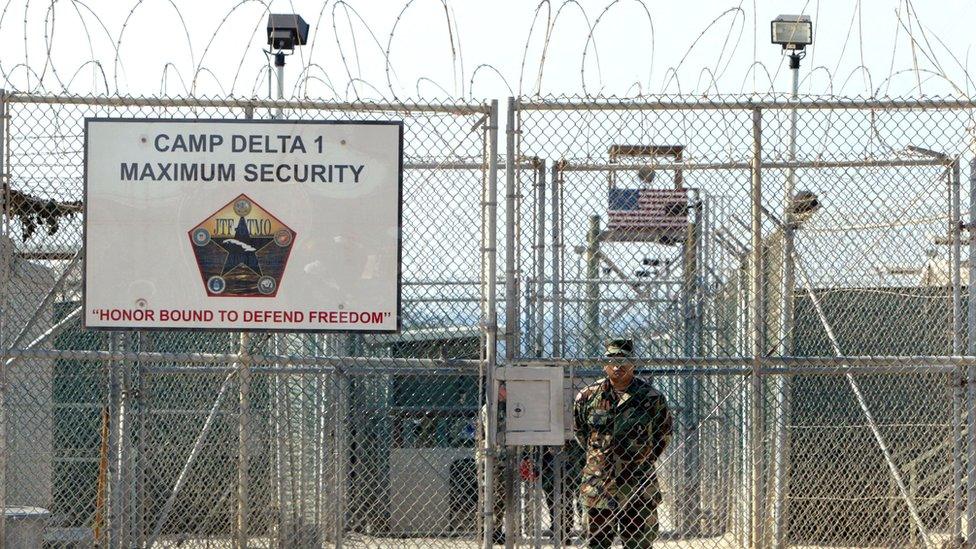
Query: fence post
(971, 371)
(243, 441)
(756, 348)
(690, 508)
(540, 259)
(592, 305)
(511, 302)
(126, 471)
(490, 325)
(511, 253)
(955, 229)
(557, 289)
(4, 366)
(114, 446)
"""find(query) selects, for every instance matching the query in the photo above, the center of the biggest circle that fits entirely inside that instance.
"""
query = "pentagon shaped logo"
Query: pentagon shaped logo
(241, 250)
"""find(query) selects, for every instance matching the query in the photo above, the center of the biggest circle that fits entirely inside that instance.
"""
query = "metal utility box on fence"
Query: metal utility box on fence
(534, 408)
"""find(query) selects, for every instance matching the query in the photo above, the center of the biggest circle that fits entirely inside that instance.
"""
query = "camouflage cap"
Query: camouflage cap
(619, 348)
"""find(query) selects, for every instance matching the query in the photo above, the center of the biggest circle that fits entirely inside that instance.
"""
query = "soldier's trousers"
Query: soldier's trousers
(635, 522)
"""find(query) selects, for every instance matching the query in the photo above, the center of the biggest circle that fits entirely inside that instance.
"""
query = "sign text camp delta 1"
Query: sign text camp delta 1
(219, 224)
(285, 144)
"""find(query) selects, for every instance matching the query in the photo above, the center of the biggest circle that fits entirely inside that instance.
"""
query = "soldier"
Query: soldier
(623, 424)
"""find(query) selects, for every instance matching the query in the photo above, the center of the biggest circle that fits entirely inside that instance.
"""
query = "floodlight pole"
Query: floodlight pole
(971, 370)
(786, 311)
(280, 71)
(790, 224)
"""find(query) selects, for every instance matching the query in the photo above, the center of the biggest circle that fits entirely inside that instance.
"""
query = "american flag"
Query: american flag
(647, 214)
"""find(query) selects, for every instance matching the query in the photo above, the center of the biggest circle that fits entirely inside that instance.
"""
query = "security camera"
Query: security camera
(286, 30)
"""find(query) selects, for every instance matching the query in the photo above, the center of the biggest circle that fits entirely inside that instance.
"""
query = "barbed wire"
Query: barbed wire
(344, 24)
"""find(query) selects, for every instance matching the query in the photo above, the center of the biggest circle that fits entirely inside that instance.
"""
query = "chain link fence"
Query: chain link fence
(791, 275)
(183, 438)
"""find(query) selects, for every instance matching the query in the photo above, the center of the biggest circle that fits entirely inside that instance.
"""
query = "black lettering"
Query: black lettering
(129, 171)
(356, 172)
(164, 174)
(297, 144)
(225, 172)
(283, 143)
(216, 141)
(188, 172)
(225, 227)
(342, 169)
(250, 173)
(157, 142)
(198, 143)
(278, 173)
(318, 174)
(238, 143)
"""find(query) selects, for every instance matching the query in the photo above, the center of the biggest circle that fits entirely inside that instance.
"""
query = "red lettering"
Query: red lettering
(125, 315)
(185, 315)
(275, 317)
(343, 317)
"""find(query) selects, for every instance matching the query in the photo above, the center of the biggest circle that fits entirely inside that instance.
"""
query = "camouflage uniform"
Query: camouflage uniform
(623, 435)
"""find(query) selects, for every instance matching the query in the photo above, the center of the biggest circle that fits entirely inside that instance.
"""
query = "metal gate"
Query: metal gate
(792, 274)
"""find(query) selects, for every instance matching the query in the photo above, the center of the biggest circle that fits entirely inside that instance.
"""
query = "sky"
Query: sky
(425, 49)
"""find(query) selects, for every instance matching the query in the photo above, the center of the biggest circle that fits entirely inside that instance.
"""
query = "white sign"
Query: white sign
(243, 225)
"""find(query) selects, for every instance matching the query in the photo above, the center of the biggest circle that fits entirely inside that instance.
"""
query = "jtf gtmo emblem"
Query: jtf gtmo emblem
(242, 250)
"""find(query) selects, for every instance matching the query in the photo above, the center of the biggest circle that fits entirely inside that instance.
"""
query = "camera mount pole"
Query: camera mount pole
(279, 62)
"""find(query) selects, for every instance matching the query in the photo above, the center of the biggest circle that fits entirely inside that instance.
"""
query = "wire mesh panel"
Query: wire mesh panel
(788, 275)
(198, 439)
(788, 278)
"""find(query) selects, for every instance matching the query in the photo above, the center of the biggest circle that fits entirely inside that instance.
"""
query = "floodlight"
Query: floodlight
(286, 30)
(803, 205)
(793, 32)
